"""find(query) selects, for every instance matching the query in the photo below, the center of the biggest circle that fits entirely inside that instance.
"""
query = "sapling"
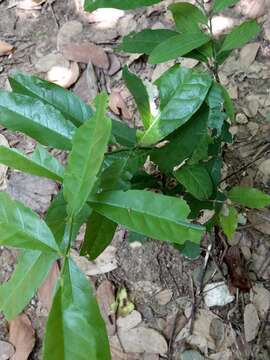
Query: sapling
(105, 183)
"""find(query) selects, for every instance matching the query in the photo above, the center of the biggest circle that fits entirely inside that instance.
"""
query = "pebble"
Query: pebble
(241, 118)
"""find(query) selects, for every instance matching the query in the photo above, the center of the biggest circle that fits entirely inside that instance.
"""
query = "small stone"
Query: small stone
(164, 297)
(253, 107)
(241, 118)
(246, 252)
(264, 168)
(6, 350)
(130, 321)
(266, 28)
(251, 322)
(248, 54)
(253, 127)
(234, 130)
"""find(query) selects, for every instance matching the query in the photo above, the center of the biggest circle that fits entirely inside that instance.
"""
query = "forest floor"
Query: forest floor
(163, 285)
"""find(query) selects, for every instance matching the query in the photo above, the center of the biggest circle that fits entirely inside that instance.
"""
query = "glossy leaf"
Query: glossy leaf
(145, 41)
(34, 118)
(56, 218)
(75, 329)
(196, 180)
(220, 5)
(41, 163)
(182, 92)
(203, 53)
(182, 142)
(123, 134)
(99, 234)
(228, 219)
(140, 95)
(177, 46)
(187, 17)
(70, 105)
(89, 144)
(31, 270)
(189, 250)
(91, 5)
(158, 216)
(228, 103)
(240, 35)
(22, 228)
(249, 197)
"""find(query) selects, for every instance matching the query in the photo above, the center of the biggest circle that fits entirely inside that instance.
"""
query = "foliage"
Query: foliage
(105, 182)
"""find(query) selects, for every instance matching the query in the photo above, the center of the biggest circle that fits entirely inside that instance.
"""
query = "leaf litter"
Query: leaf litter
(72, 32)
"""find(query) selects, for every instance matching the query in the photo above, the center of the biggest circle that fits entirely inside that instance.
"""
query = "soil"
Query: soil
(151, 268)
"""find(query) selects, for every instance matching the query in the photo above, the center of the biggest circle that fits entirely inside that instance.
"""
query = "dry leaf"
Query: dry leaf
(6, 350)
(64, 76)
(69, 30)
(105, 297)
(3, 168)
(238, 275)
(251, 322)
(130, 321)
(30, 4)
(45, 63)
(104, 263)
(260, 297)
(5, 48)
(45, 292)
(143, 340)
(164, 296)
(118, 353)
(87, 86)
(22, 336)
(118, 105)
(85, 53)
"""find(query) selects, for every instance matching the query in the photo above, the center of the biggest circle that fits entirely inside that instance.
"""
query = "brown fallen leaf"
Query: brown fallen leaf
(251, 322)
(5, 48)
(238, 275)
(22, 337)
(64, 76)
(118, 105)
(45, 292)
(105, 297)
(85, 53)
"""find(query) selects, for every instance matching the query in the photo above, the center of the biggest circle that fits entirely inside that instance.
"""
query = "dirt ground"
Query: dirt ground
(164, 286)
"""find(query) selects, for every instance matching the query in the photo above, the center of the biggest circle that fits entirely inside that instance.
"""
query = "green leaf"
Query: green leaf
(31, 270)
(187, 17)
(203, 53)
(99, 234)
(34, 118)
(157, 216)
(220, 5)
(228, 219)
(123, 134)
(75, 329)
(89, 144)
(91, 5)
(249, 197)
(196, 180)
(41, 163)
(228, 103)
(140, 94)
(70, 105)
(215, 101)
(182, 92)
(56, 219)
(189, 250)
(177, 46)
(145, 41)
(22, 228)
(135, 237)
(182, 142)
(241, 35)
(201, 151)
